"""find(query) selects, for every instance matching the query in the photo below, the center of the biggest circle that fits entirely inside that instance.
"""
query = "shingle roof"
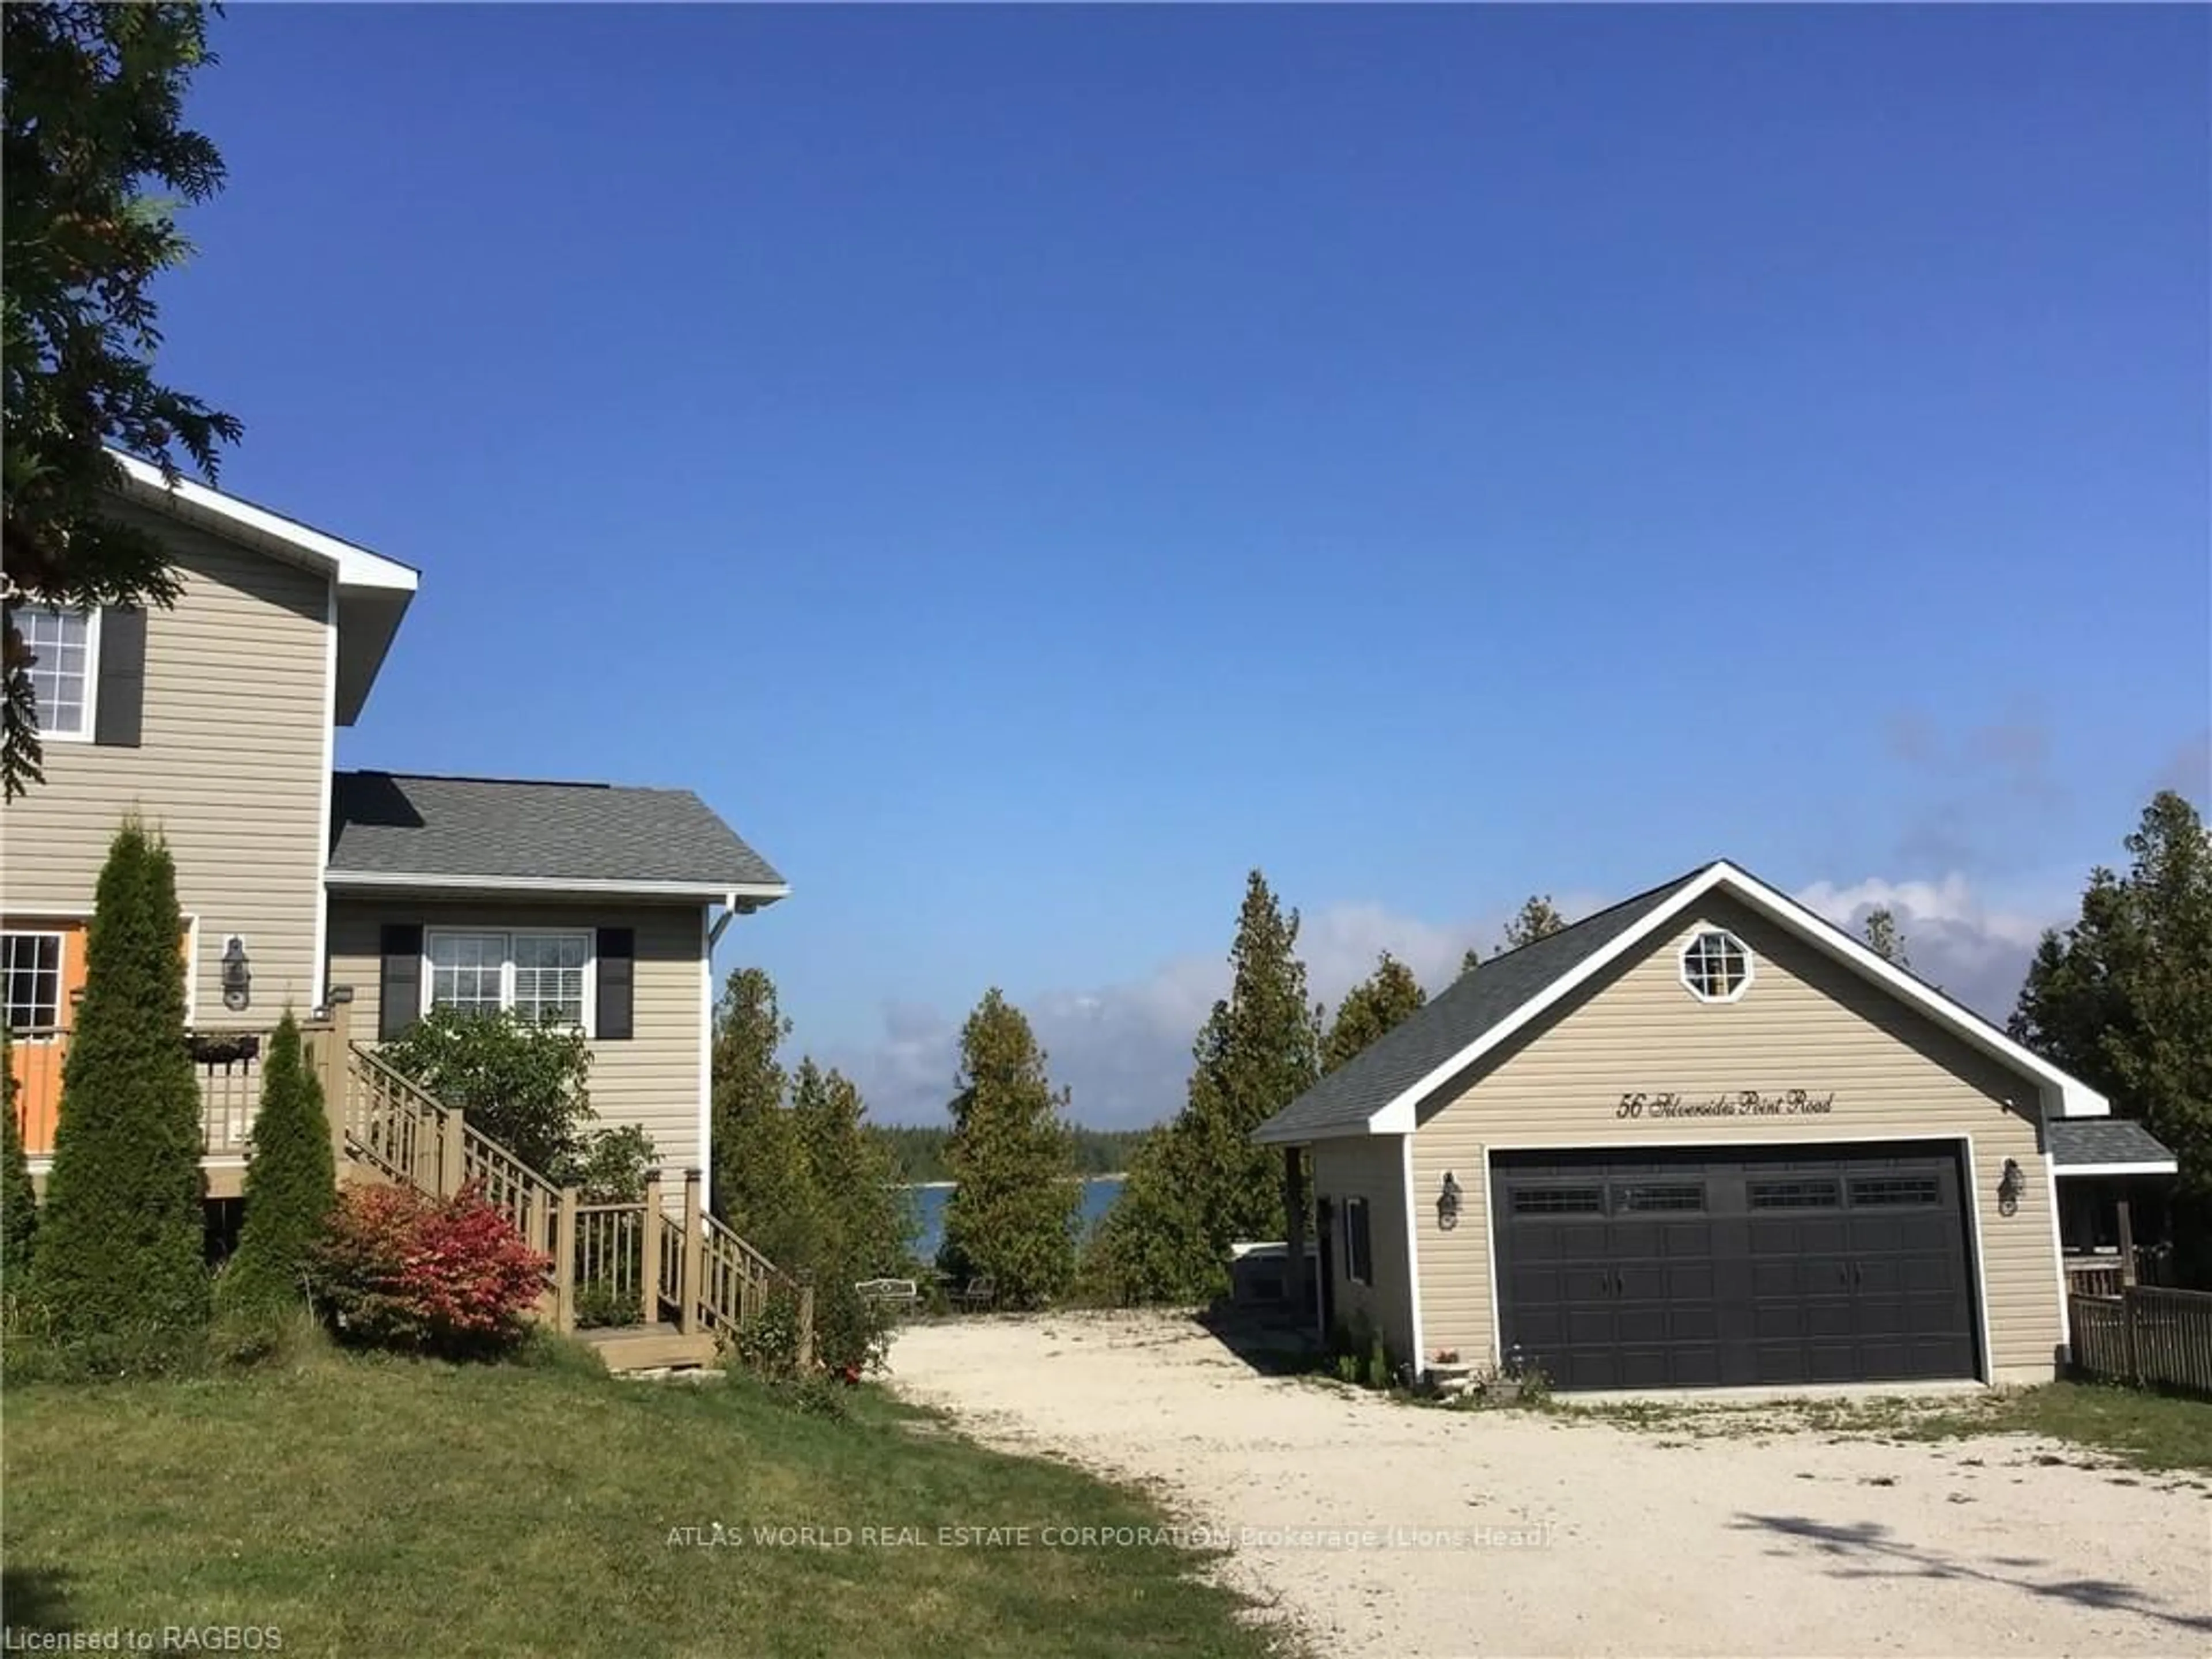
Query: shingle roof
(386, 825)
(1342, 1101)
(2085, 1142)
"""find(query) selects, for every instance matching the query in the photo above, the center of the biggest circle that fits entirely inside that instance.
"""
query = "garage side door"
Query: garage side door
(1774, 1267)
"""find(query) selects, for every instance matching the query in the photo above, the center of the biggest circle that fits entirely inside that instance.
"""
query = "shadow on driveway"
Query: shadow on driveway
(1869, 1550)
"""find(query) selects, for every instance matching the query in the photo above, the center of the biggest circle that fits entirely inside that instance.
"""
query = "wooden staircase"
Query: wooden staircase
(684, 1279)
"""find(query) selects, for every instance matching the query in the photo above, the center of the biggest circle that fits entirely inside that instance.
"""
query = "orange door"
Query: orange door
(44, 967)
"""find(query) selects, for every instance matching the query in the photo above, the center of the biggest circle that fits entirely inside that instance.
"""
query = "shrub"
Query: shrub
(768, 1343)
(608, 1165)
(121, 1240)
(18, 1203)
(291, 1182)
(452, 1278)
(521, 1084)
(852, 1334)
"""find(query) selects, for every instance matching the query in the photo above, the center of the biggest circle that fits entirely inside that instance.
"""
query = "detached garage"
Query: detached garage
(1703, 1139)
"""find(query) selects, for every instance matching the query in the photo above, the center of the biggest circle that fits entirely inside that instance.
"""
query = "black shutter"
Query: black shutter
(119, 706)
(399, 986)
(617, 984)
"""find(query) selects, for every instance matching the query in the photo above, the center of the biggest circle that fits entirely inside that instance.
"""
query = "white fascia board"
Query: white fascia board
(2148, 1166)
(353, 567)
(706, 892)
(2072, 1097)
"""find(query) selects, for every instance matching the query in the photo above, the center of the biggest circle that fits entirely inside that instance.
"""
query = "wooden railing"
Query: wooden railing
(641, 1260)
(2150, 1337)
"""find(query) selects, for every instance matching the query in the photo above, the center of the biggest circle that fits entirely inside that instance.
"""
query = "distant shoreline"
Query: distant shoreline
(947, 1186)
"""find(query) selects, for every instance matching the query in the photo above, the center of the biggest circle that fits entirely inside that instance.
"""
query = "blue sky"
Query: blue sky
(1026, 467)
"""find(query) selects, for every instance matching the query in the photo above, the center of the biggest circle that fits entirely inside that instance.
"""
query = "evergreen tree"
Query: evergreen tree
(1469, 961)
(1258, 1051)
(1537, 918)
(19, 1204)
(1385, 998)
(756, 1150)
(121, 1241)
(1012, 1216)
(291, 1182)
(1149, 1246)
(2124, 1000)
(1883, 937)
(866, 1225)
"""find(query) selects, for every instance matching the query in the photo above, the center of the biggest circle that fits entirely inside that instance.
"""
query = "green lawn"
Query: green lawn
(2149, 1430)
(367, 1506)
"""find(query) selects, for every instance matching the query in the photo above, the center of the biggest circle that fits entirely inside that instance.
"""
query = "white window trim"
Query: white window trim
(1706, 930)
(589, 935)
(61, 965)
(91, 615)
(1350, 1271)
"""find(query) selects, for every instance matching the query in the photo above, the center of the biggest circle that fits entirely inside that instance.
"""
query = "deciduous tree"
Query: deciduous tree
(94, 161)
(121, 1249)
(1884, 937)
(1012, 1215)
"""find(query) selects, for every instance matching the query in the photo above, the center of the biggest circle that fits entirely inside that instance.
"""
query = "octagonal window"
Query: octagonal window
(1716, 966)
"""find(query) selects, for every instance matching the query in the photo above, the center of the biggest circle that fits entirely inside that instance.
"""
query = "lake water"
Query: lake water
(1098, 1193)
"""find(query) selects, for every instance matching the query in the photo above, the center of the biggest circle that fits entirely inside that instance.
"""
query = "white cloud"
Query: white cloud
(1125, 1049)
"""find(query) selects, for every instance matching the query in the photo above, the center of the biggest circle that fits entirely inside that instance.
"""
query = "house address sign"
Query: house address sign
(1748, 1103)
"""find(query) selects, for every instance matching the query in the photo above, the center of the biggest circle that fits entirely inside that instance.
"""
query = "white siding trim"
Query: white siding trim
(342, 881)
(1969, 1199)
(1490, 1247)
(2058, 1261)
(2068, 1096)
(320, 969)
(2148, 1166)
(706, 1060)
(354, 567)
(1419, 1356)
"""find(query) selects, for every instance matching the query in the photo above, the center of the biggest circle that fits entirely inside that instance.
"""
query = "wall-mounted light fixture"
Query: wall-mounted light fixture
(2008, 1186)
(1447, 1202)
(237, 974)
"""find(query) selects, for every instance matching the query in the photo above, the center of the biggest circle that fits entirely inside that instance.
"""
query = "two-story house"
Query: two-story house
(214, 720)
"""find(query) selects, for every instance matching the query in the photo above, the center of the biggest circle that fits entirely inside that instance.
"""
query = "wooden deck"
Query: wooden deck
(689, 1279)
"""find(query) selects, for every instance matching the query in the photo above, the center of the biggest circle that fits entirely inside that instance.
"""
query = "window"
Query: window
(540, 975)
(1795, 1194)
(1885, 1191)
(31, 972)
(1358, 1244)
(1559, 1201)
(548, 976)
(1716, 966)
(63, 643)
(1665, 1195)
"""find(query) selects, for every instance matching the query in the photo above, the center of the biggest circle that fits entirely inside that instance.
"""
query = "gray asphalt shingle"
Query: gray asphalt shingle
(391, 823)
(2076, 1142)
(1342, 1101)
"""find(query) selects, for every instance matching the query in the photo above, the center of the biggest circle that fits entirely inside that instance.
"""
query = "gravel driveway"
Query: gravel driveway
(1379, 1529)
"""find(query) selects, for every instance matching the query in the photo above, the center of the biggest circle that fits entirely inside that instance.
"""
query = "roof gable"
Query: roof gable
(1379, 1092)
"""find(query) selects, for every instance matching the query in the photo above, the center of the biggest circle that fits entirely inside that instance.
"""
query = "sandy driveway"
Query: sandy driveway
(1503, 1533)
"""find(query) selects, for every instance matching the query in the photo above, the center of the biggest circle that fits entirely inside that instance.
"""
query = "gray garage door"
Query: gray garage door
(1693, 1269)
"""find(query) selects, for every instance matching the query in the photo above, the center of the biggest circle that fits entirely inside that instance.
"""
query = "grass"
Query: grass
(372, 1505)
(2145, 1430)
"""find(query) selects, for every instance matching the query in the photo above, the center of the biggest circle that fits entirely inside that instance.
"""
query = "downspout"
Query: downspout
(714, 933)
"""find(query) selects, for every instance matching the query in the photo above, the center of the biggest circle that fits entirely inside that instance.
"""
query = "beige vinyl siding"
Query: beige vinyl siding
(1372, 1168)
(651, 1079)
(232, 768)
(1806, 1022)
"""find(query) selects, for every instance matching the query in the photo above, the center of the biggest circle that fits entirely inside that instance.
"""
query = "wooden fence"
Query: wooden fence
(2150, 1337)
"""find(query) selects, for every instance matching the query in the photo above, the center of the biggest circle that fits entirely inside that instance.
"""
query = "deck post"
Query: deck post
(648, 1271)
(564, 1263)
(332, 1069)
(1294, 1207)
(452, 1152)
(693, 1290)
(806, 1322)
(2128, 1334)
(2127, 1246)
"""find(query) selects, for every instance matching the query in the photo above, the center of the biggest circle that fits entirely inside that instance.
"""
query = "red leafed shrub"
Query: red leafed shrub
(398, 1270)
